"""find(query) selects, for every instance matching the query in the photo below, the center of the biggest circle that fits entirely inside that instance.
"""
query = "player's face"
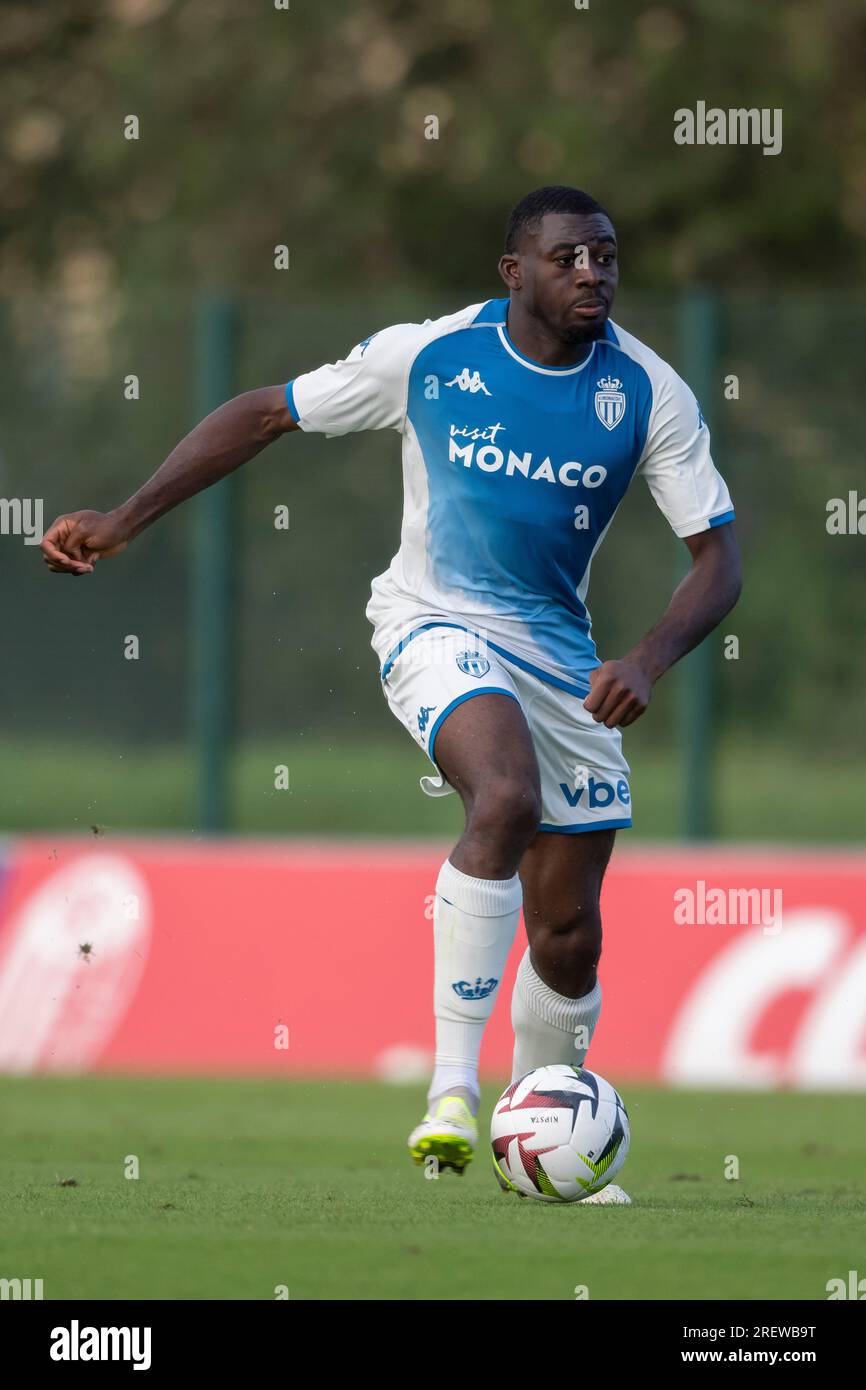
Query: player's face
(567, 274)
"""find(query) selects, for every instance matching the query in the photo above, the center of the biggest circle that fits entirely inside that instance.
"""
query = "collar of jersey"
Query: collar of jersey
(536, 366)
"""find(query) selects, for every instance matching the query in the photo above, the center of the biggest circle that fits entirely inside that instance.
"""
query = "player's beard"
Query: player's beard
(575, 334)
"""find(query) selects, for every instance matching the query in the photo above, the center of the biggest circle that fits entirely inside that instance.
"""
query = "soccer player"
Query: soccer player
(523, 420)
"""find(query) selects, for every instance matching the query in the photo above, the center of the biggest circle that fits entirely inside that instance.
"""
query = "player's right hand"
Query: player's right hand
(74, 542)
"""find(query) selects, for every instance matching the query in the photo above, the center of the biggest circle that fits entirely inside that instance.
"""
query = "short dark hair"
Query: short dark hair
(555, 197)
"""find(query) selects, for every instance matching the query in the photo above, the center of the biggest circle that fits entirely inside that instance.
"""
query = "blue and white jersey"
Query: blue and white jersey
(512, 473)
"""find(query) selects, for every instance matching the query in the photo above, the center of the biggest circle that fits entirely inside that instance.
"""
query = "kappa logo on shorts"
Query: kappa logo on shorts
(424, 716)
(601, 794)
(472, 664)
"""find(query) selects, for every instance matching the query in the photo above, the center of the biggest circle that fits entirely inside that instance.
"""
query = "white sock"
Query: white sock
(474, 921)
(549, 1027)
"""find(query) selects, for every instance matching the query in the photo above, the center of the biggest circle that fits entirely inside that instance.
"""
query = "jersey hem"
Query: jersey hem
(290, 401)
(707, 523)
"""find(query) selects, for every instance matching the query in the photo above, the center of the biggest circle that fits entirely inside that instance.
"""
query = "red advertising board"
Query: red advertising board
(721, 967)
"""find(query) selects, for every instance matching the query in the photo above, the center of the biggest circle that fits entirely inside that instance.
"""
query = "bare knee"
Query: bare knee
(506, 809)
(501, 820)
(566, 950)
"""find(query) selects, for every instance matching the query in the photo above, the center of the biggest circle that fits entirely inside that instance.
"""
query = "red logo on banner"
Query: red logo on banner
(71, 959)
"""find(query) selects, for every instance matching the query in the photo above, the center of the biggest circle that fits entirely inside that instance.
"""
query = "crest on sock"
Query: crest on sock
(479, 990)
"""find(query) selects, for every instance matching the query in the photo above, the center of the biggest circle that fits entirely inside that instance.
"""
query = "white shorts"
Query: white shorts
(437, 665)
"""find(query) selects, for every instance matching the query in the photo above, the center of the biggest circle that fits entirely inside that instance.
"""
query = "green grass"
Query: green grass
(249, 1184)
(347, 786)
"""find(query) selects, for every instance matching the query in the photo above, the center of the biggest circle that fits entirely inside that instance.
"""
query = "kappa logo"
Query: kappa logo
(472, 383)
(610, 402)
(472, 664)
(424, 716)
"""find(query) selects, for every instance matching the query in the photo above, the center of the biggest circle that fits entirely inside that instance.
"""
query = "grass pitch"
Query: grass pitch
(248, 1185)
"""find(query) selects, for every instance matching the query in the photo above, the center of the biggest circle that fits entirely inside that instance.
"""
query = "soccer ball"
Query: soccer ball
(560, 1133)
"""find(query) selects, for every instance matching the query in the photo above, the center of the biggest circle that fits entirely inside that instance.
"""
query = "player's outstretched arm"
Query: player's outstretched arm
(225, 439)
(621, 689)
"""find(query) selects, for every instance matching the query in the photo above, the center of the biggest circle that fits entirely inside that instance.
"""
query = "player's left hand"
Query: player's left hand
(619, 693)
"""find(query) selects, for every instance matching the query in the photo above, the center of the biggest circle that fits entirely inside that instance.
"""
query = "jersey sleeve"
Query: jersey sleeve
(365, 391)
(678, 465)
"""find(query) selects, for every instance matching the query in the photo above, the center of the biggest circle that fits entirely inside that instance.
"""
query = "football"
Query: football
(560, 1134)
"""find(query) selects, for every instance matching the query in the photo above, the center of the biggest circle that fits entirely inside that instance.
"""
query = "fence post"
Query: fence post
(699, 348)
(213, 575)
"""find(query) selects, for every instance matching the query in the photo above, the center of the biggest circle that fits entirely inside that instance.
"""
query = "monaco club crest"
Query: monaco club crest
(610, 402)
(473, 664)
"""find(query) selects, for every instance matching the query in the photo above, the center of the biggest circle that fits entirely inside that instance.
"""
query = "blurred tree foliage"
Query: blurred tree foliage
(306, 127)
